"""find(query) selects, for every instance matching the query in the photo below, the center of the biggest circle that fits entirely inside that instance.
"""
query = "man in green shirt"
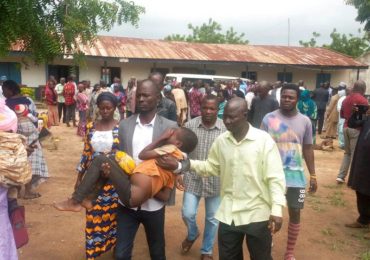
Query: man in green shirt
(252, 185)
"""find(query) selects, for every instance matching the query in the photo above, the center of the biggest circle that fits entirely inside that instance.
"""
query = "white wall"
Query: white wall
(34, 75)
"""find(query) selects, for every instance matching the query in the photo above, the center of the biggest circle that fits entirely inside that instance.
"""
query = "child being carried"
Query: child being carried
(147, 179)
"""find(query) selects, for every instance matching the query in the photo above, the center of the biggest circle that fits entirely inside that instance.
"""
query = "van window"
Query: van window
(192, 80)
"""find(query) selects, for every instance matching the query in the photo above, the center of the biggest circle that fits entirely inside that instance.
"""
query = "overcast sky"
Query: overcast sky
(262, 21)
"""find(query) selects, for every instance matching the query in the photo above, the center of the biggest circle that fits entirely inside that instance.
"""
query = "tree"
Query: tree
(312, 42)
(50, 28)
(363, 11)
(209, 33)
(350, 45)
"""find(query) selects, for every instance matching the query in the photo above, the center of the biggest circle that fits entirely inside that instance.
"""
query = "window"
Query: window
(285, 77)
(62, 71)
(12, 70)
(249, 75)
(322, 78)
(109, 73)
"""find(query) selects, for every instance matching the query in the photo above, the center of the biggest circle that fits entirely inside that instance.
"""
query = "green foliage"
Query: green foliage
(48, 28)
(210, 32)
(363, 11)
(312, 42)
(351, 45)
(348, 44)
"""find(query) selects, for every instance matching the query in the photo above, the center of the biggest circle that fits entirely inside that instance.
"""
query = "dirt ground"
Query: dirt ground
(60, 235)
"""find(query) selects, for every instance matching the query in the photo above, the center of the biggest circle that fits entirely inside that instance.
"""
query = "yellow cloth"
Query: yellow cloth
(252, 177)
(125, 161)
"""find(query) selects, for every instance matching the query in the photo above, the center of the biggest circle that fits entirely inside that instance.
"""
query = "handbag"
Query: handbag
(18, 222)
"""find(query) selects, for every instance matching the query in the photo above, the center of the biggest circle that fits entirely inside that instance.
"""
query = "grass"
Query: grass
(336, 199)
(327, 232)
(365, 255)
(315, 202)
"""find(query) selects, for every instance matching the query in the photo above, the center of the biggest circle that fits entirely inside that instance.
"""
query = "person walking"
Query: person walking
(350, 134)
(51, 102)
(359, 177)
(101, 220)
(261, 104)
(135, 133)
(59, 88)
(321, 98)
(252, 185)
(292, 133)
(207, 127)
(70, 101)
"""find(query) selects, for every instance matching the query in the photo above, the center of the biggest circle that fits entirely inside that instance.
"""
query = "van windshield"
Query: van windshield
(192, 80)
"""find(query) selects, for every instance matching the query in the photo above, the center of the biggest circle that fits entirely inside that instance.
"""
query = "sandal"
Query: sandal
(187, 244)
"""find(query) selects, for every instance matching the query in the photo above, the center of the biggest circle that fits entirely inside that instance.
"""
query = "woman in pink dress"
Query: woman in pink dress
(8, 250)
(82, 107)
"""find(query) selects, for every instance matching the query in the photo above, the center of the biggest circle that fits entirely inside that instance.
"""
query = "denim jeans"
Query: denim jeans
(189, 214)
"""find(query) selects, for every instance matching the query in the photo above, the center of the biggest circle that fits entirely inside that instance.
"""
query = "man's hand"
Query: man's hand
(105, 168)
(180, 183)
(275, 224)
(30, 148)
(313, 185)
(167, 162)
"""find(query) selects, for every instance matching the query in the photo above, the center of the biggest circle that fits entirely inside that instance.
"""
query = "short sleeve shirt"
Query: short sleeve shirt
(290, 134)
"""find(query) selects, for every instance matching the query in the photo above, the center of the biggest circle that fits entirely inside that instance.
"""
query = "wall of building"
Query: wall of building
(364, 74)
(34, 75)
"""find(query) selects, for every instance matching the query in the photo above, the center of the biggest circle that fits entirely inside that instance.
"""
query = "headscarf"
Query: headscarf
(107, 96)
(8, 119)
(306, 105)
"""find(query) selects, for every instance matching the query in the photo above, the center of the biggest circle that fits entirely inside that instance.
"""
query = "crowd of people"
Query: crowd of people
(240, 145)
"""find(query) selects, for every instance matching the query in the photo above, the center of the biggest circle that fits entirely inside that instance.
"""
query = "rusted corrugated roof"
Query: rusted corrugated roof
(144, 49)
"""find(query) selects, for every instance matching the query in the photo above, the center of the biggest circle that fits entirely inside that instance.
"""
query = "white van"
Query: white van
(178, 77)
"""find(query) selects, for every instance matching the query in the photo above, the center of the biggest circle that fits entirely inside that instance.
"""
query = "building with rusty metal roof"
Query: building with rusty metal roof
(126, 57)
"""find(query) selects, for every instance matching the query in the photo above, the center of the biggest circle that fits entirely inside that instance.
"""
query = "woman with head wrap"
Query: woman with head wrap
(8, 250)
(308, 107)
(101, 137)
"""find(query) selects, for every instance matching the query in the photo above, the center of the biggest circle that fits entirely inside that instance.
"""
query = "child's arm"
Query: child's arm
(148, 152)
(164, 194)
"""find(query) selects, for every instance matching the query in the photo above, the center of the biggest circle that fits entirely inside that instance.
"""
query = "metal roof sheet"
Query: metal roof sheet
(145, 49)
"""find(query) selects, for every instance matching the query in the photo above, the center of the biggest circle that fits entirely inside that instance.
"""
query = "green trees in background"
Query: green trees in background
(348, 44)
(210, 32)
(47, 28)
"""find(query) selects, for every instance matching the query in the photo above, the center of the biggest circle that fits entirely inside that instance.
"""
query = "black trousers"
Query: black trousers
(62, 108)
(231, 237)
(71, 113)
(363, 207)
(320, 119)
(92, 182)
(128, 222)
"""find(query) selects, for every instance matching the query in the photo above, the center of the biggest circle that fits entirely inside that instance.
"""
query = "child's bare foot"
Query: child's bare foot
(68, 205)
(87, 204)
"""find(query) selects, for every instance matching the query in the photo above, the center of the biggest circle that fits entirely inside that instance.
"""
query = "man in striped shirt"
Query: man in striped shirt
(207, 127)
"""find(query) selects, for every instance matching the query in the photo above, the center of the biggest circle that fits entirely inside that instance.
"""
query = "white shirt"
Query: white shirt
(249, 97)
(277, 96)
(143, 135)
